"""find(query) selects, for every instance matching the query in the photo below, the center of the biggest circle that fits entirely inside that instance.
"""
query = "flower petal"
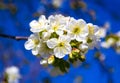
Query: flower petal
(42, 18)
(33, 23)
(68, 48)
(35, 51)
(52, 43)
(59, 52)
(59, 32)
(83, 47)
(64, 38)
(81, 22)
(29, 44)
(81, 39)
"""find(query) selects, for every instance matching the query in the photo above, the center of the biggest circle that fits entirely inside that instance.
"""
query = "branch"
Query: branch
(101, 61)
(18, 38)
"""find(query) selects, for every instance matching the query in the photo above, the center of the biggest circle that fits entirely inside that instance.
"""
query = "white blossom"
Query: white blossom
(33, 43)
(44, 51)
(108, 43)
(40, 25)
(57, 24)
(93, 36)
(78, 30)
(60, 46)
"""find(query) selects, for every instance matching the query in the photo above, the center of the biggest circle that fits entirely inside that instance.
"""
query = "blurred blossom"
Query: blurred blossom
(12, 74)
(106, 25)
(78, 79)
(77, 63)
(118, 43)
(118, 50)
(56, 71)
(92, 14)
(108, 43)
(102, 57)
(76, 4)
(103, 32)
(57, 3)
(118, 33)
(112, 40)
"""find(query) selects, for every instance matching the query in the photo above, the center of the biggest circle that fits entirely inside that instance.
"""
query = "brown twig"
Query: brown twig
(18, 38)
(101, 61)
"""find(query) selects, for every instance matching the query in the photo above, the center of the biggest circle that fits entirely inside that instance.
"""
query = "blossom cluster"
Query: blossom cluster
(58, 36)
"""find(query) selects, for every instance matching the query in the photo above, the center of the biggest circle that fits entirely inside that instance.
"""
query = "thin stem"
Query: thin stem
(18, 38)
(103, 66)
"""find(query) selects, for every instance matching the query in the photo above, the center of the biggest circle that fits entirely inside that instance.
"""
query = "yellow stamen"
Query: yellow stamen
(36, 42)
(61, 44)
(55, 27)
(76, 30)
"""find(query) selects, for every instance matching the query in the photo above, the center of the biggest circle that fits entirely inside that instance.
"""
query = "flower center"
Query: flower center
(76, 30)
(55, 27)
(36, 42)
(61, 44)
